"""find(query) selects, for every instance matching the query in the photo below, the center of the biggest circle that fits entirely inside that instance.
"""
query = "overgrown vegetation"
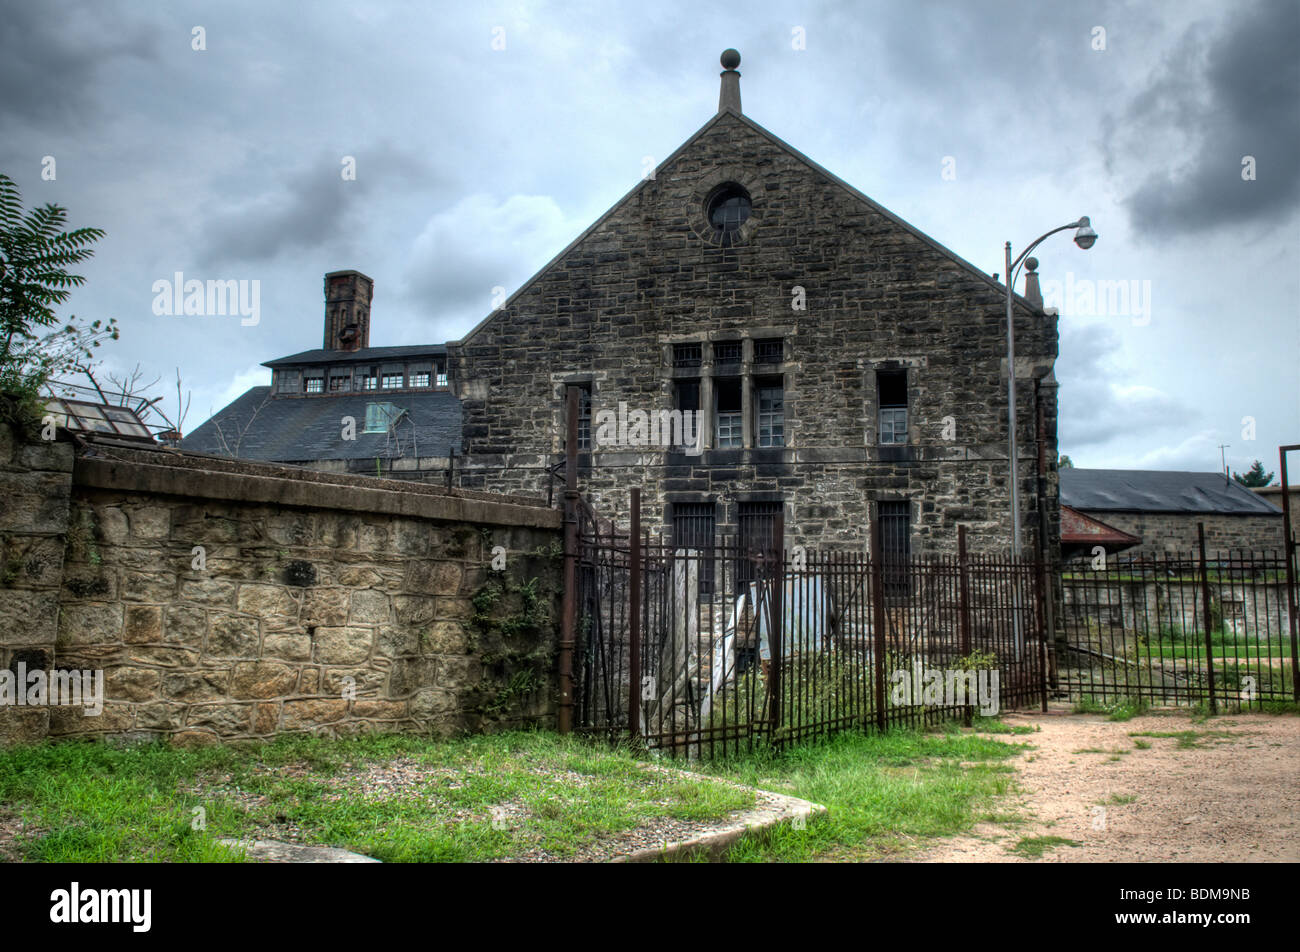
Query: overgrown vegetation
(35, 250)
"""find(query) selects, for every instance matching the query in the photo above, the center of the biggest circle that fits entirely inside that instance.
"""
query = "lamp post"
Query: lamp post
(1085, 238)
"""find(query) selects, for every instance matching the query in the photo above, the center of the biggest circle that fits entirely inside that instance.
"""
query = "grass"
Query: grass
(1121, 710)
(1033, 847)
(477, 799)
(882, 792)
(1187, 740)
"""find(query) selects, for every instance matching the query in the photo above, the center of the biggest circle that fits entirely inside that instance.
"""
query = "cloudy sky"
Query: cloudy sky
(487, 136)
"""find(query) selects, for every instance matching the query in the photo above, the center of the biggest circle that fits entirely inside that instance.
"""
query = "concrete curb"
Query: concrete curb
(771, 810)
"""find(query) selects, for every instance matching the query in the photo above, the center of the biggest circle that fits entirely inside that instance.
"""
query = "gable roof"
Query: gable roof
(320, 356)
(1144, 490)
(297, 429)
(782, 144)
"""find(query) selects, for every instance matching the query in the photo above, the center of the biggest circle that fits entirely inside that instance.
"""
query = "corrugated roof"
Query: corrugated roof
(298, 429)
(1147, 490)
(1080, 529)
(358, 356)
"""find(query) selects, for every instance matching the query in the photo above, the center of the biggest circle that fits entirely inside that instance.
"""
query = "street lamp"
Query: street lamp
(1085, 238)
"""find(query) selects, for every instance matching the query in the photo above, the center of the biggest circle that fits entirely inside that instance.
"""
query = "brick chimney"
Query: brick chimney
(347, 310)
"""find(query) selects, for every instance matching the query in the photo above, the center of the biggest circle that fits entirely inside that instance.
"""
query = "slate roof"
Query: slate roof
(1143, 490)
(364, 355)
(298, 429)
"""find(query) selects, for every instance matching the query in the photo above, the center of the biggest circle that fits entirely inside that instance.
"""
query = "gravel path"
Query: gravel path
(1232, 797)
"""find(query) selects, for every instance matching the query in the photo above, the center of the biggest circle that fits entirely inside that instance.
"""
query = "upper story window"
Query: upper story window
(288, 381)
(727, 352)
(392, 381)
(687, 400)
(891, 387)
(339, 382)
(728, 209)
(420, 379)
(729, 423)
(771, 415)
(687, 355)
(584, 417)
(769, 351)
(315, 384)
(442, 377)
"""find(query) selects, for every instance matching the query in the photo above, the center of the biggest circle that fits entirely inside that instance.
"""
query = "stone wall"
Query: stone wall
(228, 600)
(1175, 532)
(877, 296)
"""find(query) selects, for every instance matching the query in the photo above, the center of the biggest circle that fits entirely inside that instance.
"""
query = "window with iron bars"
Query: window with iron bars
(727, 352)
(895, 547)
(694, 526)
(756, 522)
(769, 351)
(687, 355)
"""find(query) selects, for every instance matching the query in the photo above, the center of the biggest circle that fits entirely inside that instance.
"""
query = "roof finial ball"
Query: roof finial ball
(729, 97)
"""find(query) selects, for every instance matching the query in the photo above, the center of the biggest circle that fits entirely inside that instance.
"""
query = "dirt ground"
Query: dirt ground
(1229, 791)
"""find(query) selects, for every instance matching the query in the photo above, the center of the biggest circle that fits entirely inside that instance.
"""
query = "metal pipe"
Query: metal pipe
(569, 615)
(634, 620)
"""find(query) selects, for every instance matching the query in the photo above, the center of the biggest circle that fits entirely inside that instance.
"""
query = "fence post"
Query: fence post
(569, 614)
(634, 621)
(775, 633)
(878, 615)
(1205, 605)
(1042, 613)
(1288, 553)
(963, 603)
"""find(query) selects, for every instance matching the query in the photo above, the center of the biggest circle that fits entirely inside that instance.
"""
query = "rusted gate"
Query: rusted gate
(700, 648)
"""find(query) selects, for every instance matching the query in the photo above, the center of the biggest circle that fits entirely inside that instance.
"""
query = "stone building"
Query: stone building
(825, 358)
(346, 407)
(1163, 509)
(843, 364)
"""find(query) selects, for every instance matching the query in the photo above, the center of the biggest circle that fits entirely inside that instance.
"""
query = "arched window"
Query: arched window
(728, 209)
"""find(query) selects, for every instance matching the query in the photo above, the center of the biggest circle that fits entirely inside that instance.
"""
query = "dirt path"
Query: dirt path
(1226, 790)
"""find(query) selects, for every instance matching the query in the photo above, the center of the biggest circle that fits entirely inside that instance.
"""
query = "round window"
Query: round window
(728, 210)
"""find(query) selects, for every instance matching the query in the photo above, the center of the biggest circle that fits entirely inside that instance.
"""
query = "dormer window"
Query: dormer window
(339, 382)
(315, 384)
(420, 379)
(392, 381)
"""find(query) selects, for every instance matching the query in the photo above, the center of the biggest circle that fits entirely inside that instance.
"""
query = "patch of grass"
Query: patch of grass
(470, 800)
(1141, 744)
(1187, 740)
(881, 791)
(991, 725)
(1118, 799)
(1033, 847)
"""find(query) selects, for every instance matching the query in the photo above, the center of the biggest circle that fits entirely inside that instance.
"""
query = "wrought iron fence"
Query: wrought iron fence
(1179, 628)
(706, 651)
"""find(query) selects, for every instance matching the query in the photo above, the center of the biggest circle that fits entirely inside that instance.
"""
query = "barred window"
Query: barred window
(895, 546)
(769, 351)
(392, 381)
(315, 384)
(694, 526)
(727, 352)
(757, 539)
(687, 355)
(420, 379)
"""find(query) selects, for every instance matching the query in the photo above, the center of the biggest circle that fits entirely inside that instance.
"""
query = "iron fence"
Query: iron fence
(701, 651)
(1179, 628)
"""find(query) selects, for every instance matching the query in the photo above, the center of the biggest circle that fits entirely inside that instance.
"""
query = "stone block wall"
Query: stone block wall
(1175, 532)
(225, 600)
(35, 489)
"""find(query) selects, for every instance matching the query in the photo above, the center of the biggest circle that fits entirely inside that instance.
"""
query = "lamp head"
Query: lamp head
(1085, 237)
